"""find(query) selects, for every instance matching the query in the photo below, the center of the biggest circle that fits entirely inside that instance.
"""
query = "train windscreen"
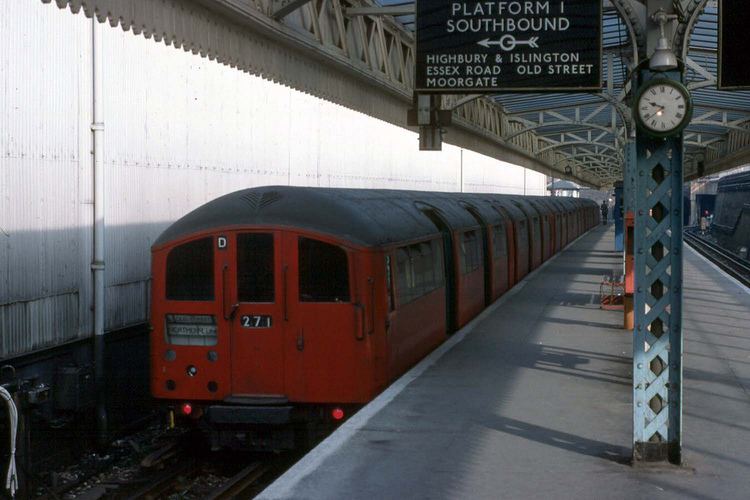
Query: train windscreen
(190, 271)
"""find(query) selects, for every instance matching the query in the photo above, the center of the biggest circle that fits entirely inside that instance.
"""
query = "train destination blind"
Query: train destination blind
(494, 46)
(734, 40)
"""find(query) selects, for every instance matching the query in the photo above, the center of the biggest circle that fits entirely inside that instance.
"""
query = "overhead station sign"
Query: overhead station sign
(494, 46)
(734, 41)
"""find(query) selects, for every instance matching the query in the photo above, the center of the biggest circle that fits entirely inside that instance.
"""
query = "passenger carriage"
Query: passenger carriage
(282, 305)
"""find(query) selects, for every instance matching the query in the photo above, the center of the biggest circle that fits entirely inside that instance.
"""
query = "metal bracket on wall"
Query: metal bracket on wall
(430, 119)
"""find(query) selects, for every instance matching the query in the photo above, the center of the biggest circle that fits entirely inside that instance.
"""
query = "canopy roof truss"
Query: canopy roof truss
(718, 136)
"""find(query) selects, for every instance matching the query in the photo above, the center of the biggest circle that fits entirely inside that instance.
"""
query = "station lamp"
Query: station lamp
(664, 58)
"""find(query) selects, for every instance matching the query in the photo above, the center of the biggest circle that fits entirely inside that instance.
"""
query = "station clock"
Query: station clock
(663, 107)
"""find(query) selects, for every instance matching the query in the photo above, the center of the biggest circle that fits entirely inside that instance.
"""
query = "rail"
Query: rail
(240, 485)
(730, 263)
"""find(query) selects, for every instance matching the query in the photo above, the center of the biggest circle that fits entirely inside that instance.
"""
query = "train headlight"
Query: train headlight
(191, 329)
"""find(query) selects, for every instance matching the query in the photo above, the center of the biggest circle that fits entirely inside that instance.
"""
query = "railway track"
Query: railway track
(243, 484)
(731, 264)
(167, 481)
(188, 477)
(182, 478)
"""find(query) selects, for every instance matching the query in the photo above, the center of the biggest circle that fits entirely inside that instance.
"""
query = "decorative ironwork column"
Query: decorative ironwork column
(657, 341)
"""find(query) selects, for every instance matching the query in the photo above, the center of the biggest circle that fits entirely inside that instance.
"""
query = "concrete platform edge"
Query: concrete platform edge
(719, 270)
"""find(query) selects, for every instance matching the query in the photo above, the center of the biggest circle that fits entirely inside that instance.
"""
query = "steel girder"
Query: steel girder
(598, 128)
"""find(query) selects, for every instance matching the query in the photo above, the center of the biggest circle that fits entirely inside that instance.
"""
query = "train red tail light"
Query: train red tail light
(337, 413)
(187, 409)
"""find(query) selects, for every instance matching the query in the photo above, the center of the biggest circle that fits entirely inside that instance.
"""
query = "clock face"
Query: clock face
(663, 108)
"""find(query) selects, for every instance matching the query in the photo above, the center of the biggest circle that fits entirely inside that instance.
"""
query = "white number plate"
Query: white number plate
(255, 321)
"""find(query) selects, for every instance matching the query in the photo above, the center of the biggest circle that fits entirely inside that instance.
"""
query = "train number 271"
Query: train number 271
(256, 321)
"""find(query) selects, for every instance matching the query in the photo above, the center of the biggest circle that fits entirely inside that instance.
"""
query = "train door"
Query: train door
(500, 257)
(325, 323)
(486, 251)
(510, 231)
(451, 319)
(252, 282)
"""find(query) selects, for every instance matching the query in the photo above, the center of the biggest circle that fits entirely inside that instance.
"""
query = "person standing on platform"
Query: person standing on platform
(704, 223)
(605, 212)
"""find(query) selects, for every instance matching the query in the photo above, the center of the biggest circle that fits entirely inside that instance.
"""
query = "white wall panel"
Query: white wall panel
(42, 54)
(180, 130)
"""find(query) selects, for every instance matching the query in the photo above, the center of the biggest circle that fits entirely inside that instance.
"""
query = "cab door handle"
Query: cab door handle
(225, 295)
(233, 311)
(360, 327)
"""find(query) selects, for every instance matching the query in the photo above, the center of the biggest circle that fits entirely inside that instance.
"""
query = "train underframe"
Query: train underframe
(261, 428)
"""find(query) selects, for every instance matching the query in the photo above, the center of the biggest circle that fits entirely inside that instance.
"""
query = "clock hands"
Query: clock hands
(658, 112)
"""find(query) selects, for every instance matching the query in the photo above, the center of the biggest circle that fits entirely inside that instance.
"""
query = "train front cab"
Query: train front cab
(244, 322)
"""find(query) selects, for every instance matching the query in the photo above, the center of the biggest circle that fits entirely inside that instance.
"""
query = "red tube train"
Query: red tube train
(288, 305)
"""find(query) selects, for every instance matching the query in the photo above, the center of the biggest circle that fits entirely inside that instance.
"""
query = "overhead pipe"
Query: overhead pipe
(97, 264)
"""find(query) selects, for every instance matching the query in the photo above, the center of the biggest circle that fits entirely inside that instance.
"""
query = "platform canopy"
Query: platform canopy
(329, 48)
(590, 129)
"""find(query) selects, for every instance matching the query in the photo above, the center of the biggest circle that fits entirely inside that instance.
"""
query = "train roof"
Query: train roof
(735, 182)
(368, 217)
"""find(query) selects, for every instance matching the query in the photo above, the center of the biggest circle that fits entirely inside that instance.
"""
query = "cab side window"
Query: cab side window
(323, 272)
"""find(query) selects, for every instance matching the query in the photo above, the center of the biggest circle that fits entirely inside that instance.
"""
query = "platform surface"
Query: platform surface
(535, 402)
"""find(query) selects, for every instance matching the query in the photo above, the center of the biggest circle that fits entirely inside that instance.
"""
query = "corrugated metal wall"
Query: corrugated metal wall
(44, 114)
(180, 130)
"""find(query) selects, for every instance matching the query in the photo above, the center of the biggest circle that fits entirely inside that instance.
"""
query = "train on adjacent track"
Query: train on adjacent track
(276, 310)
(731, 222)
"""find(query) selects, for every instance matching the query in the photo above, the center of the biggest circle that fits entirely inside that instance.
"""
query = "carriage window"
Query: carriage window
(323, 272)
(419, 269)
(255, 267)
(471, 251)
(423, 268)
(405, 273)
(190, 271)
(499, 242)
